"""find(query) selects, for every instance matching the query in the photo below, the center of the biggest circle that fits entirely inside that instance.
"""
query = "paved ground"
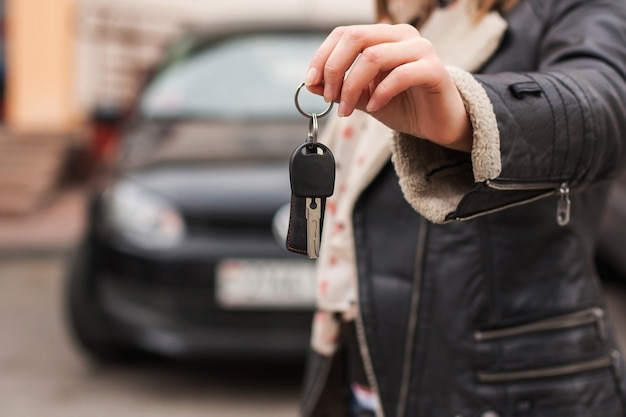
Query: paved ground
(54, 227)
(41, 374)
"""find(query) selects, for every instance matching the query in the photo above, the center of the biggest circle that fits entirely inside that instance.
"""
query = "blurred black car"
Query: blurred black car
(183, 254)
(184, 251)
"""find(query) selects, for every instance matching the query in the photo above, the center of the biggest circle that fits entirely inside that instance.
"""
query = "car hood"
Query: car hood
(243, 188)
(220, 170)
(149, 143)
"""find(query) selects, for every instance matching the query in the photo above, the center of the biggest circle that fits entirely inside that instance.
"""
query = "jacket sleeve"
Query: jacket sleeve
(540, 133)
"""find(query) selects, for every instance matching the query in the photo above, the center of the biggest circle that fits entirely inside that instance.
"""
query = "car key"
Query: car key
(312, 175)
(313, 227)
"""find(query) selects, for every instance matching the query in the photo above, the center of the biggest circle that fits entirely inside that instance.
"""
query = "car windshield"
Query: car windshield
(247, 76)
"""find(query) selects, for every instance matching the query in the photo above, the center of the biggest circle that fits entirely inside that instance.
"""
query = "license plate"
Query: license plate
(257, 283)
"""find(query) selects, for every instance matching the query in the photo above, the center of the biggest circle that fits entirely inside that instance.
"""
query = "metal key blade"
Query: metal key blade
(313, 229)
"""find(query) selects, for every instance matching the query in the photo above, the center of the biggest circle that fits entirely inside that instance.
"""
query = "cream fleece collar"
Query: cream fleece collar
(433, 178)
(461, 42)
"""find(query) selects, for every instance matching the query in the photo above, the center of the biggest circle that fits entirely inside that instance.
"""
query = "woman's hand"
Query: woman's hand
(394, 74)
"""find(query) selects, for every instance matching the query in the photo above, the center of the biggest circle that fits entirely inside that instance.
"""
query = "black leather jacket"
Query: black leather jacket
(502, 314)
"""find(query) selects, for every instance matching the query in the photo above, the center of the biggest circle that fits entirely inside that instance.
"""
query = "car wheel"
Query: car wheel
(87, 326)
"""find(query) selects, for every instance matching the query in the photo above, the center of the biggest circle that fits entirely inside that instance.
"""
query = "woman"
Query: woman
(456, 274)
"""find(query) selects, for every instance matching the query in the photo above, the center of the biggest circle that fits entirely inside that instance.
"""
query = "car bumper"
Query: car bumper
(167, 305)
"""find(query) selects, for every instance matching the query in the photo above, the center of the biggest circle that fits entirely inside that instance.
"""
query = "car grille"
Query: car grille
(183, 292)
(232, 222)
(194, 306)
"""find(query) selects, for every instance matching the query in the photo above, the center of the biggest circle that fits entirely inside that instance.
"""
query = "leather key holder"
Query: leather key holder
(297, 234)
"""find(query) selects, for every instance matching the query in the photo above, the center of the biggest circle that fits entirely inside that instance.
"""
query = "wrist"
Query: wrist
(462, 137)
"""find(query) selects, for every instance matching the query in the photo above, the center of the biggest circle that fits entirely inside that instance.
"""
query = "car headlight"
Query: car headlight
(142, 217)
(280, 224)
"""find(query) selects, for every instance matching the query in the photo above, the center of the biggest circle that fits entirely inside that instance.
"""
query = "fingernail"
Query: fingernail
(372, 106)
(311, 77)
(342, 110)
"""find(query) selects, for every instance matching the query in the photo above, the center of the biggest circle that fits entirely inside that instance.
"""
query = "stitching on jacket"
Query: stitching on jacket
(553, 153)
(562, 174)
(587, 133)
(577, 170)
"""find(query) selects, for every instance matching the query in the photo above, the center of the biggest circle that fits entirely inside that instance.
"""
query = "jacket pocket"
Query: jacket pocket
(560, 189)
(603, 362)
(561, 365)
(587, 388)
(593, 316)
(511, 194)
(558, 345)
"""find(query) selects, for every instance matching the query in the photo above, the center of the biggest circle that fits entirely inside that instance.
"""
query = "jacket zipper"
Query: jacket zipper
(367, 360)
(412, 324)
(560, 189)
(360, 332)
(564, 205)
(553, 371)
(594, 315)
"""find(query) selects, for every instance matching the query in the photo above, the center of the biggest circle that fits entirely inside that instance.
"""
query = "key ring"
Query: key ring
(305, 114)
(313, 129)
(313, 123)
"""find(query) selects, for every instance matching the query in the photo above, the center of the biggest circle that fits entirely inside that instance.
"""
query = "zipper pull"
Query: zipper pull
(598, 314)
(617, 370)
(563, 206)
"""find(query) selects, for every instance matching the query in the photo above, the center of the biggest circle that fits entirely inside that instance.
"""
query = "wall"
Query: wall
(65, 57)
(40, 70)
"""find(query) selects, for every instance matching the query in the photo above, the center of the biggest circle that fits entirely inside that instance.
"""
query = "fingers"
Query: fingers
(315, 74)
(355, 63)
(423, 73)
(384, 71)
(341, 48)
(347, 51)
